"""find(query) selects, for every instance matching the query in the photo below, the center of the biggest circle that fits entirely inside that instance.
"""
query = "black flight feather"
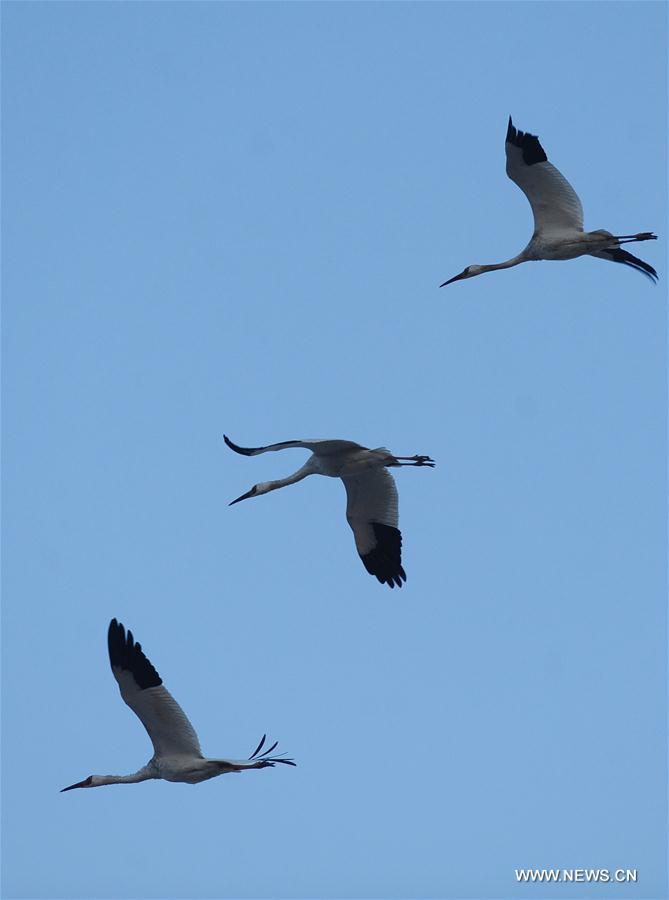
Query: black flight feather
(622, 256)
(250, 451)
(127, 655)
(385, 559)
(259, 747)
(533, 152)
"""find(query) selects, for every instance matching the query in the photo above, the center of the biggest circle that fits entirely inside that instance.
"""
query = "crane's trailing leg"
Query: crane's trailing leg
(629, 238)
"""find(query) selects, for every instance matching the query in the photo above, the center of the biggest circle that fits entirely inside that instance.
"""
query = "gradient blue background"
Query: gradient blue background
(234, 218)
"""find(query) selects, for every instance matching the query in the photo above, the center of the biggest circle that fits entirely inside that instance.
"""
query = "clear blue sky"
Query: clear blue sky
(234, 218)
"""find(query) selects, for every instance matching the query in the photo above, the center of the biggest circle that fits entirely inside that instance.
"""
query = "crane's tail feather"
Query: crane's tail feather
(256, 753)
(264, 759)
(622, 256)
(259, 747)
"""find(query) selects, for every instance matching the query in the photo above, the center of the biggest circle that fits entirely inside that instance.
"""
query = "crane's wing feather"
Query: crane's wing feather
(142, 689)
(615, 254)
(372, 513)
(253, 451)
(318, 446)
(555, 203)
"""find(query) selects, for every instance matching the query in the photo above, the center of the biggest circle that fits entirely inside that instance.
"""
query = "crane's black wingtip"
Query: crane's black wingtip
(115, 634)
(396, 580)
(127, 655)
(618, 255)
(232, 445)
(510, 132)
(245, 451)
(384, 560)
(530, 145)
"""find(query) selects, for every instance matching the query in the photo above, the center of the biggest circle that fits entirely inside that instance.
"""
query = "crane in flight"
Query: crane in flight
(372, 506)
(177, 755)
(558, 214)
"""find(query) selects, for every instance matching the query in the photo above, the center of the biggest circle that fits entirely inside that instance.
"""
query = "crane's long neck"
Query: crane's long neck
(144, 774)
(507, 264)
(307, 469)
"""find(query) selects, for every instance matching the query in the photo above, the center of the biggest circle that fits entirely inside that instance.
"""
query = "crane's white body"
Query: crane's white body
(372, 502)
(558, 214)
(177, 754)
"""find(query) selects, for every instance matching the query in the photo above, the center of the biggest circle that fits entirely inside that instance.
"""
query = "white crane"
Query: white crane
(558, 214)
(371, 508)
(177, 755)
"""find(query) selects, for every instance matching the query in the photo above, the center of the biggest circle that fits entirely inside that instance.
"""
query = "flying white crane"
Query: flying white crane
(177, 755)
(558, 214)
(371, 508)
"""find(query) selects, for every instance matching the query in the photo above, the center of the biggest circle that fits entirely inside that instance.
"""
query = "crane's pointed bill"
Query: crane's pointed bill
(245, 496)
(455, 278)
(80, 784)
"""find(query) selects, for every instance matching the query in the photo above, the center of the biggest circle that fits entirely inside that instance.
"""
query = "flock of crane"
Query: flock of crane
(372, 505)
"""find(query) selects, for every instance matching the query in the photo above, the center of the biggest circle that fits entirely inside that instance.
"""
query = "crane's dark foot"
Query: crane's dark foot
(642, 236)
(416, 460)
(423, 461)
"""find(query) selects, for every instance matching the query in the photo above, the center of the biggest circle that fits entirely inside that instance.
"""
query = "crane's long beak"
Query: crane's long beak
(244, 496)
(455, 278)
(72, 786)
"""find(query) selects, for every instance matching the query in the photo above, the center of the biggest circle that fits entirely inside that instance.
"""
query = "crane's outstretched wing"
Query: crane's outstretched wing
(615, 254)
(554, 201)
(318, 446)
(142, 689)
(371, 511)
(253, 451)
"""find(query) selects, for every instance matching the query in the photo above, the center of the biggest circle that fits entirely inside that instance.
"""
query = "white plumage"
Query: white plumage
(177, 755)
(558, 214)
(372, 505)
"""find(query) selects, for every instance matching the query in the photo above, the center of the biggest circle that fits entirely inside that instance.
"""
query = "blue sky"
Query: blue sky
(234, 218)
